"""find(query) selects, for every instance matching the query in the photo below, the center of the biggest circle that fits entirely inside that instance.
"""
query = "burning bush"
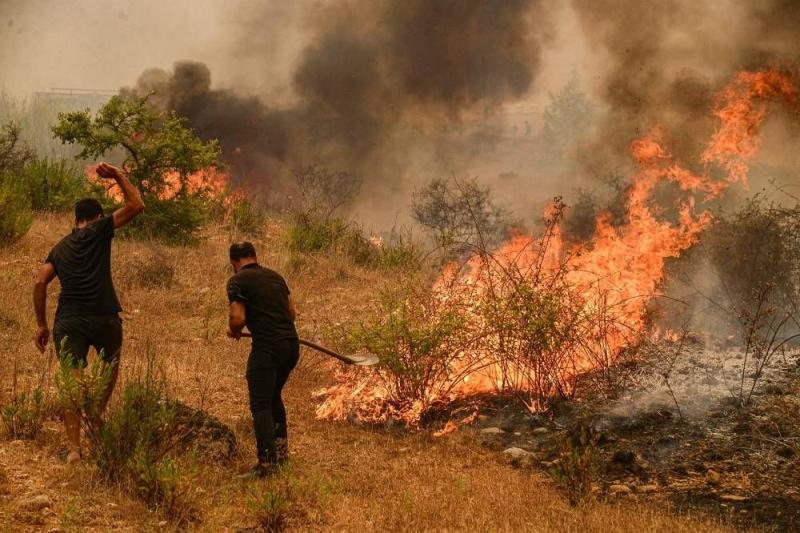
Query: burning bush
(173, 168)
(538, 313)
(423, 342)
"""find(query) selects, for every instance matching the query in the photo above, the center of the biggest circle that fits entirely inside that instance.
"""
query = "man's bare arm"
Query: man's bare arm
(236, 320)
(133, 199)
(292, 309)
(46, 274)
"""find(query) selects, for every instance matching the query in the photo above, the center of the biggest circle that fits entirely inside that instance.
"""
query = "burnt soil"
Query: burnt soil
(708, 453)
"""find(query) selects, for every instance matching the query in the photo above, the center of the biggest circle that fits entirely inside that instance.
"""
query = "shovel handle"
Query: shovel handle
(318, 348)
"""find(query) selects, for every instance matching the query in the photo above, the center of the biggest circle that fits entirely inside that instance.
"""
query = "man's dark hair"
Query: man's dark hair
(240, 250)
(87, 209)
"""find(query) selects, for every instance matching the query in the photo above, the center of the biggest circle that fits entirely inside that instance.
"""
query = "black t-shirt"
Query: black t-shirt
(265, 296)
(82, 261)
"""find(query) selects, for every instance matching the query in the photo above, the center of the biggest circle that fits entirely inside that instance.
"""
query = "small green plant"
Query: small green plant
(244, 217)
(271, 508)
(577, 465)
(16, 215)
(24, 415)
(420, 340)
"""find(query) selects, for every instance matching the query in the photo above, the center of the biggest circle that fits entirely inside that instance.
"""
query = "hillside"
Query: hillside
(342, 476)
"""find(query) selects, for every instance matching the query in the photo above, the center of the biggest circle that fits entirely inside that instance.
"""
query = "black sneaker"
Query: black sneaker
(261, 470)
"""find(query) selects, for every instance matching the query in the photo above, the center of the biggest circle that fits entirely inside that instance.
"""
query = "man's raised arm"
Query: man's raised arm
(133, 199)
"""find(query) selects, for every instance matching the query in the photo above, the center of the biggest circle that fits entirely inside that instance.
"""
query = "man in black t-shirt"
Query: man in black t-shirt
(88, 308)
(259, 299)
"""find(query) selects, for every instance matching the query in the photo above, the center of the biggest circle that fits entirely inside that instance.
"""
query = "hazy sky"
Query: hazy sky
(104, 44)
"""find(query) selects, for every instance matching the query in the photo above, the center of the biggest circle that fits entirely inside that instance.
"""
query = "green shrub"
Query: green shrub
(577, 465)
(244, 216)
(400, 255)
(271, 507)
(419, 339)
(23, 417)
(308, 234)
(177, 221)
(16, 215)
(53, 185)
(133, 443)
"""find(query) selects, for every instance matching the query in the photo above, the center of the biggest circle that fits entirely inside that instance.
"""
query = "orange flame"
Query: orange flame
(622, 268)
(208, 181)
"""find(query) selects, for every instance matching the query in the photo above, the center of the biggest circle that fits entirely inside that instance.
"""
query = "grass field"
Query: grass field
(342, 477)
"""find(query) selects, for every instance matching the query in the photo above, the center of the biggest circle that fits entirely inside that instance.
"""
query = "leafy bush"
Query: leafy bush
(24, 415)
(15, 206)
(132, 443)
(577, 465)
(460, 214)
(309, 234)
(420, 340)
(53, 185)
(161, 155)
(177, 221)
(16, 215)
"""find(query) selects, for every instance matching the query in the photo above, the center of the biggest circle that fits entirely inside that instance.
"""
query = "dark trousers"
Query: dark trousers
(74, 335)
(268, 368)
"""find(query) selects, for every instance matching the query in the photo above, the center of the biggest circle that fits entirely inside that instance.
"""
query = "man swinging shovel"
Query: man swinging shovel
(259, 299)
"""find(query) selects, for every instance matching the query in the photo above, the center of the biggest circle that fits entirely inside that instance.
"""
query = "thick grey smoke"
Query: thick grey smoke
(375, 82)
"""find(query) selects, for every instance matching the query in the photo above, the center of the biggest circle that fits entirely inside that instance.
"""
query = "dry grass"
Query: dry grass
(343, 477)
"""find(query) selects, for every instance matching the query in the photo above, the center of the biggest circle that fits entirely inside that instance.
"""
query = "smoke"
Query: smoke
(375, 83)
(401, 92)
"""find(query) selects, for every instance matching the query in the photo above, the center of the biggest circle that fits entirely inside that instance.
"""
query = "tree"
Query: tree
(566, 117)
(460, 213)
(157, 147)
(15, 207)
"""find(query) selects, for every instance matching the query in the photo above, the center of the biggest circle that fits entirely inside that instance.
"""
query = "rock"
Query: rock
(623, 457)
(516, 453)
(541, 431)
(619, 489)
(492, 431)
(36, 503)
(713, 477)
(733, 498)
(518, 456)
(647, 489)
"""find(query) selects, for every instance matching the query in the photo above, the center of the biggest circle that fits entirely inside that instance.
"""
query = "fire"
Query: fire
(209, 181)
(611, 280)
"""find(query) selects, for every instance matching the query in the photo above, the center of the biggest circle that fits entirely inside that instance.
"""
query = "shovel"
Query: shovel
(358, 360)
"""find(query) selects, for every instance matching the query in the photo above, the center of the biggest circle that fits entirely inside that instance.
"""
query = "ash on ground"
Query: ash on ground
(699, 427)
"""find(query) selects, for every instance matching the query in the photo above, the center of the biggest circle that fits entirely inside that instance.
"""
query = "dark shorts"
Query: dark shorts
(74, 335)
